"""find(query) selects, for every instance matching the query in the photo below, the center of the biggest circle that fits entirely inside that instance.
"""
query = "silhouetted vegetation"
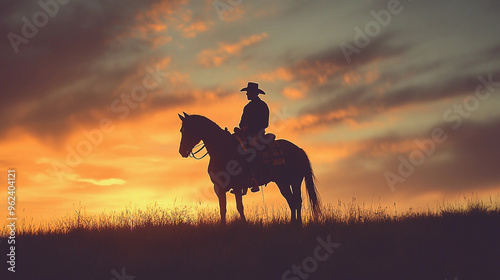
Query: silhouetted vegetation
(453, 241)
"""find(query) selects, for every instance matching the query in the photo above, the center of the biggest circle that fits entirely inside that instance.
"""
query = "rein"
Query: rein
(193, 154)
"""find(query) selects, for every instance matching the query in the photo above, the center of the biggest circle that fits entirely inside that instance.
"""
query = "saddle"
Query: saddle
(261, 153)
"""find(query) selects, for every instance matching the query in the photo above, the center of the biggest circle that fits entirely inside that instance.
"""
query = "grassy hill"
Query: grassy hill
(451, 242)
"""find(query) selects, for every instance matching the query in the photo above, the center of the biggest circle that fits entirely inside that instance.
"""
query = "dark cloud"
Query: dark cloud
(63, 50)
(468, 160)
(380, 48)
(475, 153)
(365, 103)
(76, 65)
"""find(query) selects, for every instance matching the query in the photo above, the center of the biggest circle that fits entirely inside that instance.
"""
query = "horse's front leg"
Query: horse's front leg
(221, 194)
(239, 205)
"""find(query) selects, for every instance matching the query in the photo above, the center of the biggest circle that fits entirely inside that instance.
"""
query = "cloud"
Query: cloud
(75, 38)
(103, 182)
(73, 64)
(190, 25)
(466, 161)
(218, 56)
(391, 73)
(366, 91)
(280, 74)
(474, 160)
(234, 14)
(328, 70)
(190, 30)
(69, 75)
(364, 103)
(293, 93)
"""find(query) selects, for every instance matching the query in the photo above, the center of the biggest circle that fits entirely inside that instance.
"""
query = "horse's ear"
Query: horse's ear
(181, 117)
(185, 115)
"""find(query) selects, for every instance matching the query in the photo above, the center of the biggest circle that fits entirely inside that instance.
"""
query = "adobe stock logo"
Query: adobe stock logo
(39, 20)
(122, 276)
(310, 264)
(453, 117)
(222, 8)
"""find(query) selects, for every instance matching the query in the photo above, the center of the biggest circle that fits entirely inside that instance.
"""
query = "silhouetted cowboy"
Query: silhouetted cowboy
(255, 116)
(254, 121)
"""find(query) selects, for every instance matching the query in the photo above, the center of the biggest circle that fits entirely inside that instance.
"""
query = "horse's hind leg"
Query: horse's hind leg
(297, 198)
(287, 194)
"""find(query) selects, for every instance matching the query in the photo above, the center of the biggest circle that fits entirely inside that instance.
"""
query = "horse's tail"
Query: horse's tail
(312, 192)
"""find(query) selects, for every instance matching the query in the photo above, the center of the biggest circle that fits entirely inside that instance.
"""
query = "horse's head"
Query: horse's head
(189, 135)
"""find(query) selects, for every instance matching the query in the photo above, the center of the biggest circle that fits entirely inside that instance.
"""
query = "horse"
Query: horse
(229, 168)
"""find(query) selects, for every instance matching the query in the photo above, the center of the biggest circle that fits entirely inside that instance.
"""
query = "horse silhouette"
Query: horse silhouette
(229, 170)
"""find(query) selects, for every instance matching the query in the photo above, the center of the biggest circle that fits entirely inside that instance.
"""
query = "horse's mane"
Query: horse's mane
(207, 124)
(204, 121)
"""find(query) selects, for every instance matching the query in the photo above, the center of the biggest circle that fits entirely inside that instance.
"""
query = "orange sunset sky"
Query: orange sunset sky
(91, 91)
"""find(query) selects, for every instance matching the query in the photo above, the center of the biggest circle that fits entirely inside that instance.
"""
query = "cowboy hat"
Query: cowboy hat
(253, 87)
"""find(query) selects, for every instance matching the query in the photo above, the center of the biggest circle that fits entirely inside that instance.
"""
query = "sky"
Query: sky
(394, 101)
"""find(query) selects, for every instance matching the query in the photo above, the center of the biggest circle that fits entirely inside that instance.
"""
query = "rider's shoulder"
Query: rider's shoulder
(257, 104)
(260, 102)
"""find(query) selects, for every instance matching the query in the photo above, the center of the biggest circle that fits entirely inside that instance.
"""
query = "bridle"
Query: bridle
(193, 154)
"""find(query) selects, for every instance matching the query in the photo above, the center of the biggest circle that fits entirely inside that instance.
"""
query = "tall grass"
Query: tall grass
(457, 239)
(345, 213)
